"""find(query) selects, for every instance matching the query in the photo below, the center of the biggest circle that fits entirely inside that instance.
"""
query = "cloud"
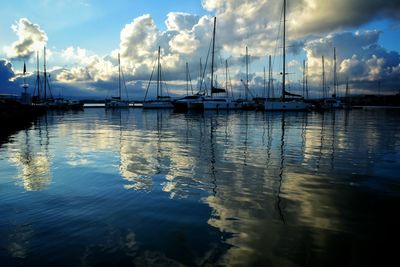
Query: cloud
(88, 66)
(6, 73)
(30, 39)
(179, 21)
(359, 58)
(313, 16)
(256, 23)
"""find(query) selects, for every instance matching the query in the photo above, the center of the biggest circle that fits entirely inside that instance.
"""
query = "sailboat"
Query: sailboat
(246, 103)
(188, 102)
(48, 101)
(334, 102)
(162, 101)
(283, 104)
(217, 102)
(116, 101)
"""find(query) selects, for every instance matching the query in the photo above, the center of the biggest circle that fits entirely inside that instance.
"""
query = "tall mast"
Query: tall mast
(323, 79)
(335, 83)
(269, 77)
(119, 76)
(304, 77)
(247, 73)
(38, 74)
(187, 79)
(200, 77)
(265, 86)
(44, 74)
(284, 51)
(158, 73)
(307, 80)
(212, 58)
(226, 76)
(25, 86)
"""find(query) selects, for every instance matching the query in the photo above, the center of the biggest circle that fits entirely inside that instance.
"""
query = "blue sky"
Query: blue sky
(95, 25)
(83, 37)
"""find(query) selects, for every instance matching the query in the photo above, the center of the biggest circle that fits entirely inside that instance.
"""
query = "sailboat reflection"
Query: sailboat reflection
(281, 169)
(33, 159)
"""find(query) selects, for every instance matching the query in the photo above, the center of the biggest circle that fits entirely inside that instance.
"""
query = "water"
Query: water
(145, 188)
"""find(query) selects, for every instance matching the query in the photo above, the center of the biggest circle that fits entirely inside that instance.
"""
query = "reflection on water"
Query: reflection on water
(140, 187)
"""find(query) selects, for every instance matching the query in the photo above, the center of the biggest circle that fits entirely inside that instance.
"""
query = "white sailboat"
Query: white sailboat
(285, 104)
(189, 101)
(116, 101)
(334, 102)
(217, 102)
(162, 101)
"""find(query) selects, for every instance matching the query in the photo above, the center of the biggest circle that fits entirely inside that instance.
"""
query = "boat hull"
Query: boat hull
(117, 105)
(285, 106)
(158, 105)
(220, 104)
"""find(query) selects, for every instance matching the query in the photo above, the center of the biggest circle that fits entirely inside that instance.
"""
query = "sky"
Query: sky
(83, 39)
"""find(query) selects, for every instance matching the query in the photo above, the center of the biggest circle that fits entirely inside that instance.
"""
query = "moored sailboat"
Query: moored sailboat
(296, 102)
(212, 101)
(162, 101)
(116, 101)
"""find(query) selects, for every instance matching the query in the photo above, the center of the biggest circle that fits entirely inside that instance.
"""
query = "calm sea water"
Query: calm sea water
(155, 188)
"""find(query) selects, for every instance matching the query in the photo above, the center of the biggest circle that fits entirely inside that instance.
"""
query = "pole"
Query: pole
(187, 79)
(284, 51)
(158, 73)
(119, 76)
(44, 74)
(247, 74)
(212, 57)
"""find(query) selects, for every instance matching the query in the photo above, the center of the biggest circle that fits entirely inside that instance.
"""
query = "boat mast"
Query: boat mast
(335, 83)
(284, 51)
(304, 77)
(247, 74)
(265, 86)
(226, 76)
(38, 75)
(269, 77)
(307, 80)
(212, 57)
(25, 86)
(158, 73)
(44, 74)
(119, 76)
(323, 79)
(187, 79)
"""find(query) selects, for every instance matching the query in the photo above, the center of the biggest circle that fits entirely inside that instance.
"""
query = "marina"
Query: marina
(199, 133)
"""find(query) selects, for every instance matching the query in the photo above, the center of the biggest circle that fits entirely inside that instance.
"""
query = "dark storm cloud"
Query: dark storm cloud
(6, 73)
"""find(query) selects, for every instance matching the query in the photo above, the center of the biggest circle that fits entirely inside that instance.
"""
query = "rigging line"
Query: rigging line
(49, 85)
(190, 80)
(123, 79)
(161, 82)
(151, 76)
(204, 70)
(230, 83)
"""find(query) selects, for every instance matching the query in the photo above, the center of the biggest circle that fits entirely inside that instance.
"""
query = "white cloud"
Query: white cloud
(88, 66)
(179, 21)
(31, 38)
(359, 58)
